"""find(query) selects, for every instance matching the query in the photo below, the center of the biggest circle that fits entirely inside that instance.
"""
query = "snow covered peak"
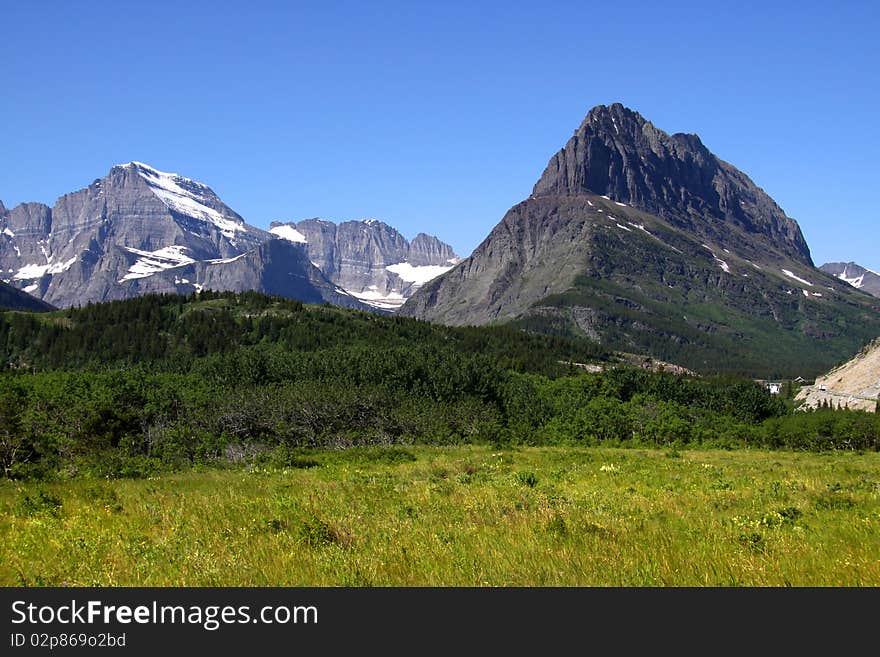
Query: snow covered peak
(146, 171)
(186, 196)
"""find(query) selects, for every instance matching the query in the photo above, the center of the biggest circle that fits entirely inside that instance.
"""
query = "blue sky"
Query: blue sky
(438, 117)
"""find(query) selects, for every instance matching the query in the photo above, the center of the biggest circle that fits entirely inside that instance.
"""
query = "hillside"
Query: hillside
(854, 384)
(171, 332)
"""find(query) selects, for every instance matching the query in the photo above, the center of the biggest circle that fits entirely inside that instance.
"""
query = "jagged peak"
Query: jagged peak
(614, 111)
(611, 118)
(427, 237)
(618, 153)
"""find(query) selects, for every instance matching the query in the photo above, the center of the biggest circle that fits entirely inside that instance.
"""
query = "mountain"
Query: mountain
(855, 384)
(856, 275)
(141, 230)
(650, 244)
(369, 259)
(14, 299)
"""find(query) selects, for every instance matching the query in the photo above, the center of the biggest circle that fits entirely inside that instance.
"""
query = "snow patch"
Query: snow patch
(289, 233)
(31, 272)
(417, 274)
(797, 278)
(372, 297)
(8, 232)
(173, 252)
(152, 262)
(223, 261)
(628, 230)
(623, 205)
(721, 263)
(857, 282)
(31, 288)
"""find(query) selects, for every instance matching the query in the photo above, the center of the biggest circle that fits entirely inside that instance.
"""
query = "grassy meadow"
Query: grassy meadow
(460, 516)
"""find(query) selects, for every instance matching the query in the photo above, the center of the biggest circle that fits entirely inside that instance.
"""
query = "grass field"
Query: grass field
(463, 516)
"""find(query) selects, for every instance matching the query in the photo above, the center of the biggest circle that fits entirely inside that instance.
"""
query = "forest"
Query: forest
(162, 383)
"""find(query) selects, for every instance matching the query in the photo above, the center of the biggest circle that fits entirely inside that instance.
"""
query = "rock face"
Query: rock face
(141, 230)
(854, 385)
(856, 275)
(617, 153)
(650, 244)
(369, 259)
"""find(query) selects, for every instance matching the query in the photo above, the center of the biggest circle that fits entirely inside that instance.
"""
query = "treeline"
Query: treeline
(131, 422)
(173, 331)
(353, 379)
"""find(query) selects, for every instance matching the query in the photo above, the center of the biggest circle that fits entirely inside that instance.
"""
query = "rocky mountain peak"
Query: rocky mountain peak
(182, 195)
(618, 153)
(605, 116)
(428, 250)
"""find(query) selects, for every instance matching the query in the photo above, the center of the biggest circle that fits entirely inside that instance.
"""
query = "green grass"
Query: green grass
(469, 516)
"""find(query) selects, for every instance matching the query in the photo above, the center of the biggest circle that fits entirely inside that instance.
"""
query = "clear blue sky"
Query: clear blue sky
(438, 116)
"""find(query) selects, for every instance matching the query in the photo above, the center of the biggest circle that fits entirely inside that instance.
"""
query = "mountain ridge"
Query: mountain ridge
(139, 230)
(370, 259)
(854, 384)
(859, 277)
